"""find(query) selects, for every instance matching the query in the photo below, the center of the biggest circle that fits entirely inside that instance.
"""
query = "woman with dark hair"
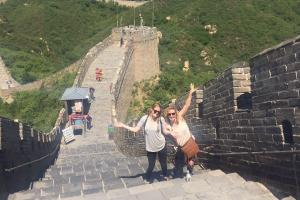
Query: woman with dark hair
(178, 128)
(154, 139)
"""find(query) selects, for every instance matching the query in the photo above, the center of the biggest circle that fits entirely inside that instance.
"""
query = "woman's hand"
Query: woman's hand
(171, 132)
(121, 125)
(167, 129)
(188, 100)
(192, 88)
(118, 124)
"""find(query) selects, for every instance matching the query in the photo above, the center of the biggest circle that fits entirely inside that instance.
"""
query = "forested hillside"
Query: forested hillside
(41, 37)
(212, 35)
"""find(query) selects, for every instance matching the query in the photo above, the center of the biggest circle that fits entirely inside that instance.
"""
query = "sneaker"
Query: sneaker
(147, 181)
(166, 178)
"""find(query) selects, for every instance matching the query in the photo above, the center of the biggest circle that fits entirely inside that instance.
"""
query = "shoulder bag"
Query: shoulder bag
(190, 149)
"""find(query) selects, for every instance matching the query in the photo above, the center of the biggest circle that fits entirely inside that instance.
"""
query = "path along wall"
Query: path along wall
(251, 107)
(5, 93)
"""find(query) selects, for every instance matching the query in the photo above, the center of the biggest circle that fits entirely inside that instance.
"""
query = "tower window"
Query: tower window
(244, 101)
(200, 110)
(216, 125)
(287, 130)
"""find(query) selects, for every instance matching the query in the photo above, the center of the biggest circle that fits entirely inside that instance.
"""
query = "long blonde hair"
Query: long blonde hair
(154, 106)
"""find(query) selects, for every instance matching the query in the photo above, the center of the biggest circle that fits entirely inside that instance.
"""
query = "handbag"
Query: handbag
(190, 149)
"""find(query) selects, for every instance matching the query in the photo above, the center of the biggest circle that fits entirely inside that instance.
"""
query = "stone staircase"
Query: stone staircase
(101, 182)
(90, 169)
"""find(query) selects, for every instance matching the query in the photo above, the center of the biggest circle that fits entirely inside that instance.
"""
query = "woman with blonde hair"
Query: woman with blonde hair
(180, 131)
(154, 139)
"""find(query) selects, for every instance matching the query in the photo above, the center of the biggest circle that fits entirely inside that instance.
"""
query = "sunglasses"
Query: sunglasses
(171, 114)
(156, 111)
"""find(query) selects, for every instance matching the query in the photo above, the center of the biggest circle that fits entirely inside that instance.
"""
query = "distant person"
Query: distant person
(99, 74)
(88, 119)
(154, 139)
(122, 37)
(179, 129)
(121, 42)
(8, 82)
(92, 93)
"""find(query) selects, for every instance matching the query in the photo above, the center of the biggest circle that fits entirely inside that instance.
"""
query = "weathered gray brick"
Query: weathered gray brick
(273, 130)
(90, 187)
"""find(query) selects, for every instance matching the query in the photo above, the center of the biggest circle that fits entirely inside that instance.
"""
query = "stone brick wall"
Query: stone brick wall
(130, 143)
(141, 62)
(122, 86)
(25, 153)
(254, 108)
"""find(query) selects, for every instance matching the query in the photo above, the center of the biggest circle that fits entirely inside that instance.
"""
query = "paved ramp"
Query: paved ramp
(109, 60)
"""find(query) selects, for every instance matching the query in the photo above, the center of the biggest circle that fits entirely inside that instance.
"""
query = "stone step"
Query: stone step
(209, 185)
(179, 189)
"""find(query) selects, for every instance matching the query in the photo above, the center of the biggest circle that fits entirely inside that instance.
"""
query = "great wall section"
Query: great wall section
(246, 120)
(6, 81)
(128, 3)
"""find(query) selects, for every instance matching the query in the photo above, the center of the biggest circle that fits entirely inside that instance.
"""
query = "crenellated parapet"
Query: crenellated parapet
(254, 108)
(25, 153)
(89, 58)
(144, 40)
(135, 33)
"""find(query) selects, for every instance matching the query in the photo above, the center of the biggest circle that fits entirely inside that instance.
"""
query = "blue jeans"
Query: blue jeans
(162, 157)
(181, 163)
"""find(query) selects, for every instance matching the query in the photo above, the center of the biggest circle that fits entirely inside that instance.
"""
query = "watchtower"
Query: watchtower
(144, 41)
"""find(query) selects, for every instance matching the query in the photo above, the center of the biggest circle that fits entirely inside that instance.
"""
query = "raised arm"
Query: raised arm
(134, 129)
(188, 101)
